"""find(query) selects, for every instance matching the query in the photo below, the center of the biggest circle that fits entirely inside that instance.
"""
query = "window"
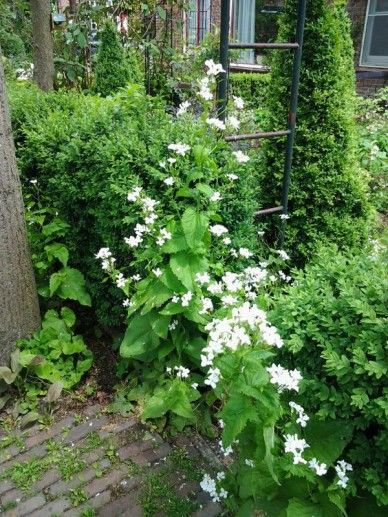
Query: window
(198, 21)
(374, 51)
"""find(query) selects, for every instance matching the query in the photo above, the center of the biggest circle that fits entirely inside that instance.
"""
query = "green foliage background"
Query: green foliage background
(333, 321)
(87, 152)
(328, 201)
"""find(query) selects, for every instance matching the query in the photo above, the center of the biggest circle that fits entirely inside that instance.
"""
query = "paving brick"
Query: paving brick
(60, 487)
(12, 495)
(210, 510)
(36, 452)
(126, 505)
(84, 429)
(94, 455)
(133, 449)
(9, 453)
(149, 456)
(50, 477)
(117, 427)
(91, 410)
(55, 430)
(96, 502)
(57, 507)
(100, 484)
(187, 488)
(5, 485)
(27, 507)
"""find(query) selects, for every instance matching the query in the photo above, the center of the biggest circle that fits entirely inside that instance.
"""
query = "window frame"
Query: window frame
(200, 31)
(366, 60)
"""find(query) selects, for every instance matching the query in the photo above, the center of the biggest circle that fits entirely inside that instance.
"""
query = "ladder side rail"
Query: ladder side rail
(224, 59)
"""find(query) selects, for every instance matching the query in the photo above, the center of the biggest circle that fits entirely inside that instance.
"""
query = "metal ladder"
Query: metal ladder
(296, 47)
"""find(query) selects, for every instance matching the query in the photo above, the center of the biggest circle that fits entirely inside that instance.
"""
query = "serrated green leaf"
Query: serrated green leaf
(194, 225)
(236, 413)
(59, 251)
(328, 439)
(69, 284)
(68, 316)
(186, 265)
(139, 337)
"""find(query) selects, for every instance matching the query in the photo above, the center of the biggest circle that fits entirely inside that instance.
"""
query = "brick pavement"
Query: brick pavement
(101, 464)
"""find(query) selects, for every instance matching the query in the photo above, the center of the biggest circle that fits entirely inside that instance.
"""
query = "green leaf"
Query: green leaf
(328, 439)
(69, 283)
(57, 226)
(139, 337)
(68, 316)
(186, 265)
(205, 189)
(157, 294)
(59, 251)
(75, 346)
(194, 225)
(160, 325)
(269, 439)
(171, 281)
(176, 399)
(81, 40)
(7, 375)
(176, 243)
(237, 412)
(29, 418)
(303, 508)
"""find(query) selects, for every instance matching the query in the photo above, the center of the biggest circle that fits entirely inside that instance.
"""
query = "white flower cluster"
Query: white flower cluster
(107, 260)
(213, 68)
(283, 255)
(218, 230)
(295, 446)
(184, 299)
(207, 305)
(209, 485)
(120, 280)
(285, 379)
(204, 90)
(183, 107)
(302, 417)
(341, 468)
(216, 123)
(238, 102)
(179, 148)
(213, 377)
(163, 236)
(241, 157)
(319, 468)
(181, 371)
(233, 122)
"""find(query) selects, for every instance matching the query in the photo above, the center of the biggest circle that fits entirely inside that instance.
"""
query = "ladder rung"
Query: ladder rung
(273, 210)
(257, 136)
(256, 69)
(264, 45)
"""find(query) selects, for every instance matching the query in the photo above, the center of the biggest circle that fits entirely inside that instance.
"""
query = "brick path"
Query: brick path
(100, 464)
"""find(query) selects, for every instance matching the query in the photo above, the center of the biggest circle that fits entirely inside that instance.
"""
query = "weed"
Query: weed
(78, 419)
(111, 453)
(98, 472)
(93, 440)
(179, 459)
(11, 439)
(8, 506)
(77, 496)
(133, 468)
(24, 474)
(88, 512)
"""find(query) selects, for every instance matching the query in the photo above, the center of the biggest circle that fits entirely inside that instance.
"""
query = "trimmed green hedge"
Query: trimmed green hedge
(87, 152)
(328, 200)
(253, 88)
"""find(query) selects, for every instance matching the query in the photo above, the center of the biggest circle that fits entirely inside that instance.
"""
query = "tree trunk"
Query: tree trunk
(42, 44)
(73, 6)
(19, 308)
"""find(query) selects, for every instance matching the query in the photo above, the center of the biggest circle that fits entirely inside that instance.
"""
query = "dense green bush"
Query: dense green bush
(86, 151)
(15, 31)
(327, 196)
(112, 71)
(333, 321)
(253, 88)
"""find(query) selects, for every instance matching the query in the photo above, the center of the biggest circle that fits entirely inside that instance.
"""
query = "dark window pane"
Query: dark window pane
(379, 40)
(381, 6)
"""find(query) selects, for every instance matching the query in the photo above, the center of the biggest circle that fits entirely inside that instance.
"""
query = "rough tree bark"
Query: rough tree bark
(73, 6)
(42, 44)
(19, 309)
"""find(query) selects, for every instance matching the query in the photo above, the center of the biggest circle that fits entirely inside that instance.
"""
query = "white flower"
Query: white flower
(151, 218)
(320, 468)
(169, 181)
(134, 195)
(162, 164)
(179, 148)
(284, 216)
(295, 446)
(33, 182)
(205, 93)
(175, 299)
(202, 278)
(182, 372)
(302, 417)
(149, 204)
(213, 68)
(157, 272)
(183, 107)
(218, 230)
(186, 298)
(226, 240)
(238, 102)
(283, 254)
(220, 476)
(163, 236)
(221, 423)
(233, 122)
(249, 463)
(215, 122)
(171, 161)
(173, 325)
(216, 196)
(229, 300)
(104, 253)
(136, 278)
(133, 242)
(226, 451)
(232, 177)
(213, 376)
(215, 288)
(120, 280)
(244, 252)
(241, 157)
(284, 277)
(126, 303)
(341, 468)
(285, 379)
(271, 336)
(194, 385)
(207, 305)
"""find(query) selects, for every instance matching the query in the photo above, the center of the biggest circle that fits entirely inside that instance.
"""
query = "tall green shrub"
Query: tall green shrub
(328, 194)
(112, 71)
(334, 325)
